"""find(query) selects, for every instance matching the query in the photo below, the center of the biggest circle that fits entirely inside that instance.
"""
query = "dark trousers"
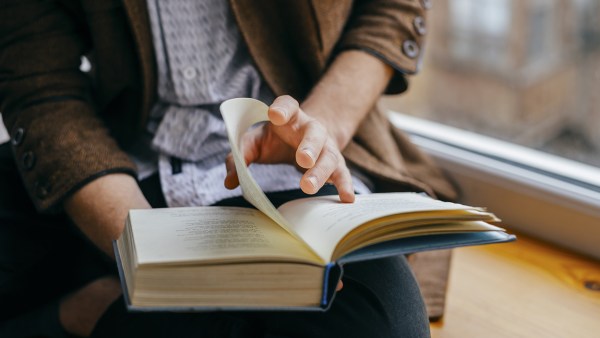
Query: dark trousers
(43, 258)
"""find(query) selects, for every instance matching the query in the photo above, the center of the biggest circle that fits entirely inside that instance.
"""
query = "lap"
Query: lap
(42, 257)
(380, 298)
(45, 257)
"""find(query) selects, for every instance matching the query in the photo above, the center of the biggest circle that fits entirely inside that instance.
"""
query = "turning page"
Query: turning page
(239, 115)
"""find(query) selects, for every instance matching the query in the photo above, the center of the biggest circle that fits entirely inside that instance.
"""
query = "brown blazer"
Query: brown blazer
(68, 127)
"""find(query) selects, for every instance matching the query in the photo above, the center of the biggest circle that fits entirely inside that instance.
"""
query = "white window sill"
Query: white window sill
(546, 196)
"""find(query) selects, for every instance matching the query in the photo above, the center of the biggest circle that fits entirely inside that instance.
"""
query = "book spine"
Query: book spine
(326, 277)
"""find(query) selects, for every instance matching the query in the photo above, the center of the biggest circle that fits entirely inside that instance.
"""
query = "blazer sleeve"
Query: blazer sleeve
(59, 143)
(392, 30)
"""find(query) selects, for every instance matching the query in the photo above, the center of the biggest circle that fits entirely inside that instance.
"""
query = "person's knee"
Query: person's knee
(384, 298)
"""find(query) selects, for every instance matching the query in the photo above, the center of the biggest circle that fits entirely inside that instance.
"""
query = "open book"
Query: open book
(209, 258)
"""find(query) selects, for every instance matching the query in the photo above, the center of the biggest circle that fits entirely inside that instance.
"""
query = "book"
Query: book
(291, 257)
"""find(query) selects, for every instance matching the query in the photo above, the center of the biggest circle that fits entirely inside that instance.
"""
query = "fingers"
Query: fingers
(231, 180)
(259, 145)
(311, 145)
(298, 130)
(315, 149)
(293, 136)
(343, 183)
(330, 166)
(284, 109)
(339, 286)
(251, 153)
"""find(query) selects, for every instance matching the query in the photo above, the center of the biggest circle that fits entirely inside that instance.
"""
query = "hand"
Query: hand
(294, 137)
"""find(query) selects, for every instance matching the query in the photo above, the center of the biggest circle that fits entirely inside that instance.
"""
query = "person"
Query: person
(140, 129)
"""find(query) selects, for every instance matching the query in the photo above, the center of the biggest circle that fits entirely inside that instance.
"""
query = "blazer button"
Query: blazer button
(18, 136)
(42, 189)
(426, 4)
(28, 160)
(419, 24)
(410, 49)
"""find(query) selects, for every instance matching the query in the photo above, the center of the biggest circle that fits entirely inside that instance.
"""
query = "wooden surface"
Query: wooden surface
(521, 289)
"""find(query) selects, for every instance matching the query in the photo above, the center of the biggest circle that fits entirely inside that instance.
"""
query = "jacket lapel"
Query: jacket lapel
(137, 14)
(282, 39)
(280, 36)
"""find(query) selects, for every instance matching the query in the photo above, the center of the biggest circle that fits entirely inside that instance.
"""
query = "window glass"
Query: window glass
(526, 71)
(479, 30)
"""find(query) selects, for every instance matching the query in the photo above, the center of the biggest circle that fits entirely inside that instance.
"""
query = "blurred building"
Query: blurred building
(527, 71)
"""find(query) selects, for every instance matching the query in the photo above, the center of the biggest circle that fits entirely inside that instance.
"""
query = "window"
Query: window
(479, 31)
(542, 31)
(511, 87)
(524, 71)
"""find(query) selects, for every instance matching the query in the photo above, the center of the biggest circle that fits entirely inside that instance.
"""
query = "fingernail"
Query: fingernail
(281, 110)
(309, 153)
(313, 181)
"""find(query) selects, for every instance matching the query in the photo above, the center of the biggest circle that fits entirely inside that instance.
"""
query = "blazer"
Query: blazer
(68, 127)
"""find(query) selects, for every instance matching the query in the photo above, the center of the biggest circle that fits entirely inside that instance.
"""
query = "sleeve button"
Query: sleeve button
(42, 189)
(419, 24)
(426, 4)
(18, 136)
(410, 49)
(28, 160)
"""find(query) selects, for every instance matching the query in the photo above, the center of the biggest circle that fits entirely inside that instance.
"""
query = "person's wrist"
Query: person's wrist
(100, 207)
(347, 93)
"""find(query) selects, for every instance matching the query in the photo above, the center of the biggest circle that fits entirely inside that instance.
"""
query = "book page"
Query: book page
(323, 221)
(212, 234)
(239, 115)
